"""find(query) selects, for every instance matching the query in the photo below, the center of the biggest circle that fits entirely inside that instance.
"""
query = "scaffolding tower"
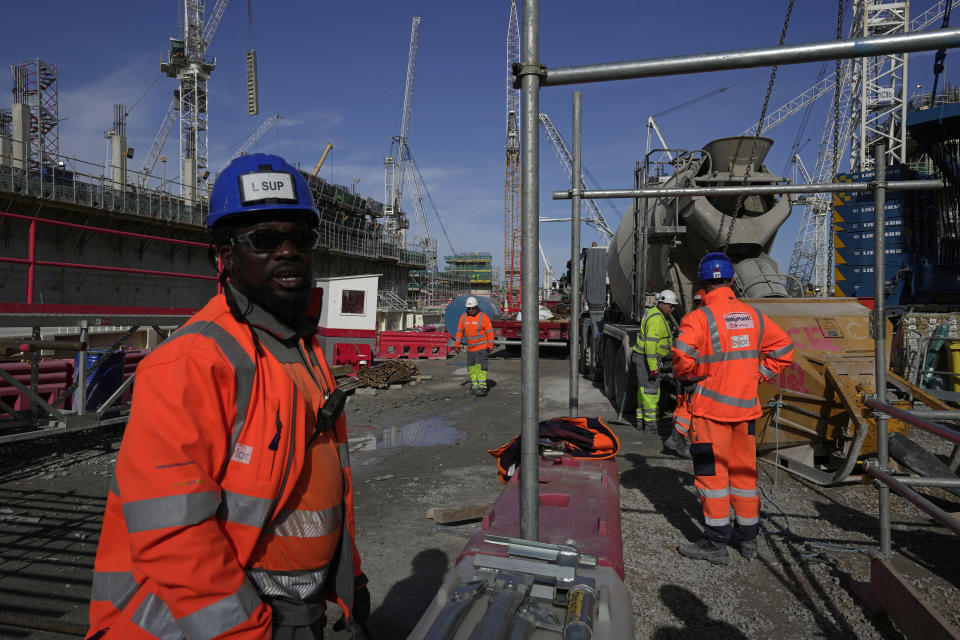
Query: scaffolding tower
(35, 86)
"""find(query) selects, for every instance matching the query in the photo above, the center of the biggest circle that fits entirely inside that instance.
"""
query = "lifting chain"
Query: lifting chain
(756, 140)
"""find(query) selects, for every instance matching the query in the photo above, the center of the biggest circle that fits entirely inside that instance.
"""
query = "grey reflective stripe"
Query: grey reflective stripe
(307, 524)
(685, 348)
(683, 420)
(759, 315)
(244, 368)
(712, 327)
(221, 616)
(170, 511)
(154, 617)
(343, 450)
(657, 340)
(730, 355)
(747, 521)
(744, 493)
(712, 493)
(115, 587)
(242, 509)
(766, 373)
(716, 522)
(296, 585)
(114, 487)
(682, 429)
(725, 399)
(782, 351)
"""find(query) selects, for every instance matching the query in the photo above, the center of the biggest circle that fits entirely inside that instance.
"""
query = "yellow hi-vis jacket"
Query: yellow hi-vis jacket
(654, 340)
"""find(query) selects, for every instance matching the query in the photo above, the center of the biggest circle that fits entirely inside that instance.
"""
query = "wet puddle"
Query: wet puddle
(427, 432)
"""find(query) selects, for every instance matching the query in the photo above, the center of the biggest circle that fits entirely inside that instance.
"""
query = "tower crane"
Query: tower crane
(187, 61)
(593, 217)
(395, 163)
(512, 257)
(252, 140)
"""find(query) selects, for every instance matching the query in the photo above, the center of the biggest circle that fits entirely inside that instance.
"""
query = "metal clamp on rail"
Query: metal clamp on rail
(521, 69)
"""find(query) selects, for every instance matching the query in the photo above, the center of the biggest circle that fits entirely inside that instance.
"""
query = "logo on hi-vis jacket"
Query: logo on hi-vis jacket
(738, 320)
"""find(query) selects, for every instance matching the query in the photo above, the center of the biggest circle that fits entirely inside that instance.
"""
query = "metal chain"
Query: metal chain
(756, 139)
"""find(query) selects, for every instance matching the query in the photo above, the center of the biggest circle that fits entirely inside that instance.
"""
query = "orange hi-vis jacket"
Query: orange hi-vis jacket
(229, 510)
(728, 347)
(476, 330)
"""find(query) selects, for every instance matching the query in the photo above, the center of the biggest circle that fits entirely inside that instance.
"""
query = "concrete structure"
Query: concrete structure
(477, 266)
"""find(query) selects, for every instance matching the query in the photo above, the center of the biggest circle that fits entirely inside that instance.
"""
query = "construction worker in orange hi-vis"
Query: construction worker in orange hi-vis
(678, 441)
(475, 328)
(723, 351)
(231, 511)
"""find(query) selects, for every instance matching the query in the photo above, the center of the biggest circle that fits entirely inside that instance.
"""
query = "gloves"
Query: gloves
(654, 374)
(361, 608)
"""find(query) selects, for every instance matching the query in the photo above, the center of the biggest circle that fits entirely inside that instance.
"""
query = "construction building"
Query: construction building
(477, 267)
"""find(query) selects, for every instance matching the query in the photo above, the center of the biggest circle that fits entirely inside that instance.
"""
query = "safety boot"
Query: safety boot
(481, 391)
(677, 444)
(747, 548)
(705, 549)
(650, 427)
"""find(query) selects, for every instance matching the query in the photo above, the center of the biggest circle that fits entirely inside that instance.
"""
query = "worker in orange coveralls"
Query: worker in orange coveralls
(724, 350)
(231, 512)
(678, 441)
(476, 330)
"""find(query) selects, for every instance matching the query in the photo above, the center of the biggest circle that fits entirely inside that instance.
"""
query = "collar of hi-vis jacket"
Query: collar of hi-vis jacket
(723, 294)
(263, 319)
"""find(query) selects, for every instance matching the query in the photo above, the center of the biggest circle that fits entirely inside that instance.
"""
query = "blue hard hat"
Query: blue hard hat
(260, 182)
(715, 266)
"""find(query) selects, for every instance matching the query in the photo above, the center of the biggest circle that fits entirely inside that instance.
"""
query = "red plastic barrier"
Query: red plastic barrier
(579, 500)
(352, 354)
(55, 375)
(415, 345)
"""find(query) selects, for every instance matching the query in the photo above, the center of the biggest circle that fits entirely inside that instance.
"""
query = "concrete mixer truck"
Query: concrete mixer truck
(815, 423)
(674, 233)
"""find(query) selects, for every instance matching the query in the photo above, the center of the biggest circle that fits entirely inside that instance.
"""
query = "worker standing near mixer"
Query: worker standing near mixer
(724, 350)
(678, 441)
(231, 511)
(651, 356)
(476, 330)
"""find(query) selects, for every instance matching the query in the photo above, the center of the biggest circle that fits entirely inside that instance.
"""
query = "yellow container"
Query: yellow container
(954, 349)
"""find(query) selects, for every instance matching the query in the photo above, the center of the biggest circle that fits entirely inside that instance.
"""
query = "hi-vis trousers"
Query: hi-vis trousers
(725, 465)
(477, 366)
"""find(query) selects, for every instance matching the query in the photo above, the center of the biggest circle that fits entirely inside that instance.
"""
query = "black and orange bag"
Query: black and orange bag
(588, 438)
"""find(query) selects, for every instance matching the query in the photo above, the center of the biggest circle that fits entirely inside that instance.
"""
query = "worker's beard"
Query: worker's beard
(285, 305)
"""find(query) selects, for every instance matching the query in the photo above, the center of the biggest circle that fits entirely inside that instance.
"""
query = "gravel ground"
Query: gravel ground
(432, 439)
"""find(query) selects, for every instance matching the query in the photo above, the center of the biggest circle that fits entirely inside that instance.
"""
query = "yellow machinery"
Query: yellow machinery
(323, 157)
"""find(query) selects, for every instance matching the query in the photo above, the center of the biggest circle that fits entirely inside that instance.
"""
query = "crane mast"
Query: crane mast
(593, 218)
(511, 183)
(395, 163)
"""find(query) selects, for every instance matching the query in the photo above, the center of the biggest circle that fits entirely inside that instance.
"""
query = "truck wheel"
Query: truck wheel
(626, 400)
(609, 361)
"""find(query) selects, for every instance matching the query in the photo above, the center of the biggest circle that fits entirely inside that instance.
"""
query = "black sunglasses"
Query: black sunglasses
(269, 240)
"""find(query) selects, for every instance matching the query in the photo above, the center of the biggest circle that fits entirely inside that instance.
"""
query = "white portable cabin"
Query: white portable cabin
(348, 318)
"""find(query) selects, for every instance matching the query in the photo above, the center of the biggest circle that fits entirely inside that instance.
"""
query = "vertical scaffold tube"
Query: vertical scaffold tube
(574, 332)
(880, 335)
(529, 307)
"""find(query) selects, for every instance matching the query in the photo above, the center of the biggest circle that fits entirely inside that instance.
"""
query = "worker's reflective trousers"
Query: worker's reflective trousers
(725, 465)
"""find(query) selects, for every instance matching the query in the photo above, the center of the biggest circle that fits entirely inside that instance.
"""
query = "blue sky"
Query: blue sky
(335, 72)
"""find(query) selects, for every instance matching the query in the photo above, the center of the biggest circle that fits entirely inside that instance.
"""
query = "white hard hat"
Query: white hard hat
(472, 302)
(667, 296)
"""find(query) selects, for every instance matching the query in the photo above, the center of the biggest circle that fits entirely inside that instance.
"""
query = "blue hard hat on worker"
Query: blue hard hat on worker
(260, 183)
(715, 266)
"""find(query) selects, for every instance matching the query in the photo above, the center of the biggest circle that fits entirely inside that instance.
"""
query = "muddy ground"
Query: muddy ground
(424, 446)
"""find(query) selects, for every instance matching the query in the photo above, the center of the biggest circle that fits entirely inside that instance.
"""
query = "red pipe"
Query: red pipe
(31, 259)
(98, 267)
(114, 232)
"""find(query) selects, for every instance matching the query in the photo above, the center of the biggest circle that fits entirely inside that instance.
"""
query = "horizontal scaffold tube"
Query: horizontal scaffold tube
(825, 187)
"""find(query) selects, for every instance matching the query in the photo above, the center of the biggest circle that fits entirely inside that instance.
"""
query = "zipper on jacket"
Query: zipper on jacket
(276, 438)
(293, 439)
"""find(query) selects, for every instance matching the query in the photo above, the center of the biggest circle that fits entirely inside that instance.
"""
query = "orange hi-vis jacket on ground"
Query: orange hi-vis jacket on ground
(476, 330)
(229, 510)
(730, 347)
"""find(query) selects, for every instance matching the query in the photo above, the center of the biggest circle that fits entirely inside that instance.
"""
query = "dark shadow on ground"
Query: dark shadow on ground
(695, 615)
(407, 600)
(668, 491)
(512, 352)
